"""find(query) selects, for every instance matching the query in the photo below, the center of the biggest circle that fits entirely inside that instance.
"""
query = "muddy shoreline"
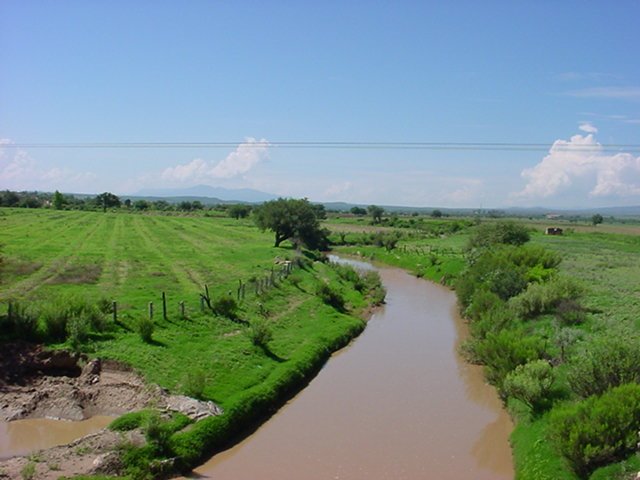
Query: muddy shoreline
(38, 383)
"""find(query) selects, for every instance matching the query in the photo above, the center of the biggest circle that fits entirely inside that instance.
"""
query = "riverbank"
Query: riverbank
(397, 403)
(36, 383)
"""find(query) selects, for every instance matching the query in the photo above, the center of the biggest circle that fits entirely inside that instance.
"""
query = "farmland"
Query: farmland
(132, 259)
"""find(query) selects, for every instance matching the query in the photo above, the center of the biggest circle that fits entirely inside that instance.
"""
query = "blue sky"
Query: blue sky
(563, 75)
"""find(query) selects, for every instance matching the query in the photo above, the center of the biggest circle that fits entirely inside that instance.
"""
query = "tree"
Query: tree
(107, 200)
(490, 234)
(58, 200)
(291, 219)
(358, 211)
(239, 211)
(596, 219)
(9, 199)
(141, 205)
(376, 213)
(436, 214)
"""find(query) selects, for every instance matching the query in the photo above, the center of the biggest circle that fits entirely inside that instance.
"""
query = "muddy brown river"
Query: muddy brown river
(398, 403)
(21, 437)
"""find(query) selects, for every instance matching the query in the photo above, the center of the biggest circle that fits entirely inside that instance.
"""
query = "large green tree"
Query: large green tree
(107, 200)
(376, 213)
(291, 219)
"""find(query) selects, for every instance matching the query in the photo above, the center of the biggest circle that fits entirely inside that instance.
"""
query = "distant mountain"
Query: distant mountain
(207, 191)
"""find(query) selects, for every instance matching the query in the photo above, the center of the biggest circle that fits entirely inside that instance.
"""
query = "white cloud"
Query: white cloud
(336, 190)
(246, 156)
(588, 127)
(581, 166)
(194, 169)
(622, 93)
(19, 171)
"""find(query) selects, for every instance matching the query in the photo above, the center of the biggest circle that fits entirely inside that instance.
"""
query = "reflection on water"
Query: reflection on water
(399, 403)
(21, 437)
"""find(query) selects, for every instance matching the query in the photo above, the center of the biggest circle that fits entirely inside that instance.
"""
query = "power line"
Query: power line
(461, 146)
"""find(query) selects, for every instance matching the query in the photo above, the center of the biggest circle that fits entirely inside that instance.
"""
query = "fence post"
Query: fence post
(114, 307)
(150, 310)
(164, 306)
(182, 309)
(201, 304)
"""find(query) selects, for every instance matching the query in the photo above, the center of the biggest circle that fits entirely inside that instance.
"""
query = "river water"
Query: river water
(21, 437)
(398, 403)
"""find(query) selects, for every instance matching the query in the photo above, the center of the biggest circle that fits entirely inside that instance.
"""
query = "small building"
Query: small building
(553, 231)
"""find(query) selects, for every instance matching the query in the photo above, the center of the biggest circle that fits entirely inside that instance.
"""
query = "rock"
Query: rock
(92, 368)
(106, 464)
(192, 408)
(58, 359)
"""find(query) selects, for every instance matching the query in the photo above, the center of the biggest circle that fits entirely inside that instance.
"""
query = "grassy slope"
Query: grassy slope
(137, 257)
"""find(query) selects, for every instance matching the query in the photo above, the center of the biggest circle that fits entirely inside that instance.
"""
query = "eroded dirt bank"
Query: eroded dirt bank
(35, 383)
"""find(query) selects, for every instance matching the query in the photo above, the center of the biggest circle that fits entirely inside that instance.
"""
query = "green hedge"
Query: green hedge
(206, 436)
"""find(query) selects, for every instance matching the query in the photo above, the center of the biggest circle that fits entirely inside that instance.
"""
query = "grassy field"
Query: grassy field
(133, 258)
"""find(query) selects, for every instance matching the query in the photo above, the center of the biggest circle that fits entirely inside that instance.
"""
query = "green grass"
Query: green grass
(533, 455)
(133, 258)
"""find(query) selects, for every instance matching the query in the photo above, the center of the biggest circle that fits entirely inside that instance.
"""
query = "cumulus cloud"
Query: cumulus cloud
(246, 156)
(588, 127)
(19, 171)
(582, 164)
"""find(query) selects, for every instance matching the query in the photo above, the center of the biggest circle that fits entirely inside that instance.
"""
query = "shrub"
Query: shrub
(502, 351)
(259, 333)
(543, 298)
(570, 312)
(57, 314)
(481, 302)
(598, 430)
(373, 284)
(157, 433)
(22, 321)
(605, 361)
(195, 383)
(493, 320)
(330, 296)
(295, 279)
(78, 331)
(28, 472)
(489, 234)
(145, 329)
(530, 383)
(225, 306)
(130, 421)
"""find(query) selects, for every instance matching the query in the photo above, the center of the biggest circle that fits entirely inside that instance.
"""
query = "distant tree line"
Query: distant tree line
(105, 201)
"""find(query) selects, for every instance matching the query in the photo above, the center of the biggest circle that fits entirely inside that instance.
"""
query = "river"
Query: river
(398, 403)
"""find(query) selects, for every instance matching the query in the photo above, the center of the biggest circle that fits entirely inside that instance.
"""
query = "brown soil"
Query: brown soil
(36, 383)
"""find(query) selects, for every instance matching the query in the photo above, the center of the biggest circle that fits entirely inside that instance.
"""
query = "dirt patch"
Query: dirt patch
(78, 274)
(16, 267)
(36, 383)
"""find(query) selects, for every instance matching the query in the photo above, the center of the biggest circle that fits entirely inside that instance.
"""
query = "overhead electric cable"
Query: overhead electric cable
(462, 146)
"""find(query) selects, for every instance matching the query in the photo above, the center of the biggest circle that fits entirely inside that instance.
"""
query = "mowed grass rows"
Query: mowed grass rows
(133, 258)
